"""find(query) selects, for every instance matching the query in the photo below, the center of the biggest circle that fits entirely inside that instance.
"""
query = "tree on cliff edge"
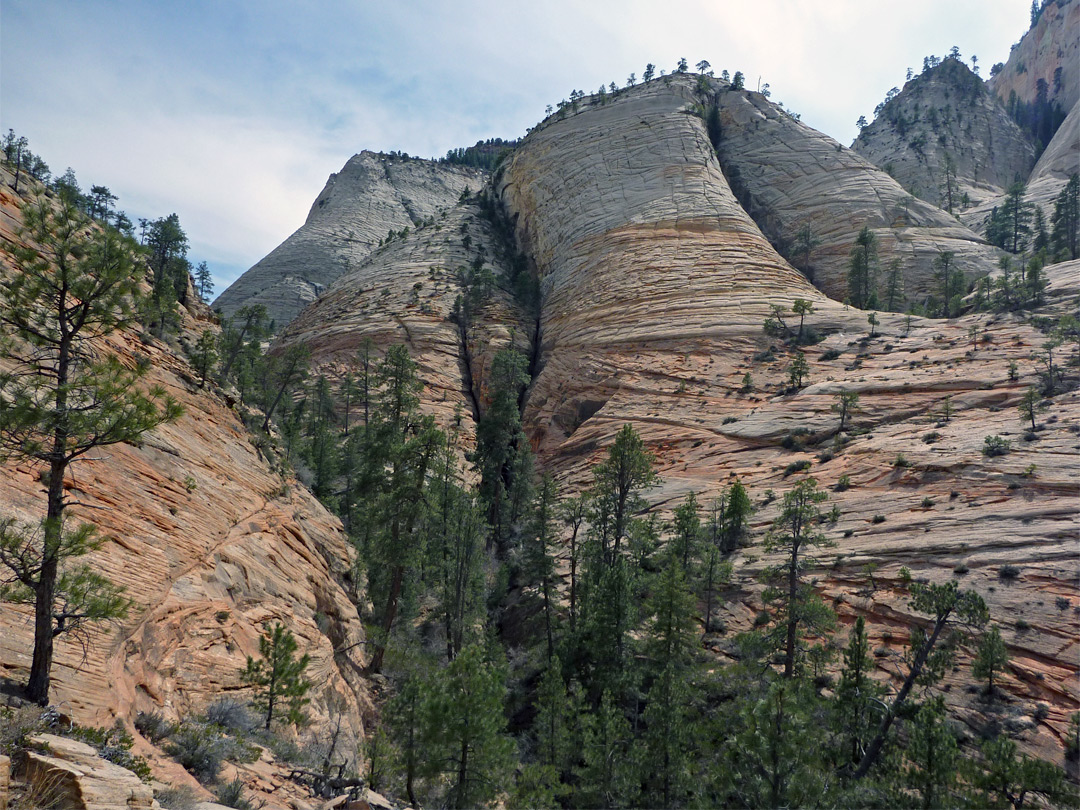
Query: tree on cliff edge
(63, 396)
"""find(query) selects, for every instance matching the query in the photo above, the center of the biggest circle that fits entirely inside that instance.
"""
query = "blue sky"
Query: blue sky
(232, 113)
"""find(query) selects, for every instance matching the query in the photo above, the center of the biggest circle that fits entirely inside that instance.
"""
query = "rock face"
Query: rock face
(372, 195)
(948, 111)
(1052, 45)
(211, 543)
(789, 176)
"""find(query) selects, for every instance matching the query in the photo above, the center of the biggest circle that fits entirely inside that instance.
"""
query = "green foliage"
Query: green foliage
(503, 457)
(991, 657)
(798, 370)
(995, 446)
(798, 609)
(1065, 222)
(932, 756)
(862, 269)
(1009, 776)
(278, 677)
(464, 729)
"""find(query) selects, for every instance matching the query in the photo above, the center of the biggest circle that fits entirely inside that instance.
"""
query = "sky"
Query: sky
(233, 113)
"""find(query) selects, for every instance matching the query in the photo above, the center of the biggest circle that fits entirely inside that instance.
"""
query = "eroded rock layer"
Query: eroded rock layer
(639, 243)
(372, 195)
(791, 176)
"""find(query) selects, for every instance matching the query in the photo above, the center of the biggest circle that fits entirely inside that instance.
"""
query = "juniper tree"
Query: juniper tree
(278, 677)
(63, 396)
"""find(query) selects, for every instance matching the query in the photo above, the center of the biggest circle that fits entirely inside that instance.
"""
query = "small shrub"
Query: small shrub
(849, 532)
(1042, 711)
(825, 456)
(1022, 626)
(1062, 603)
(190, 484)
(931, 437)
(960, 569)
(153, 726)
(765, 356)
(843, 483)
(113, 745)
(927, 503)
(729, 419)
(231, 715)
(900, 461)
(796, 466)
(1008, 572)
(905, 575)
(177, 798)
(761, 619)
(995, 446)
(830, 354)
(232, 795)
(199, 749)
(877, 519)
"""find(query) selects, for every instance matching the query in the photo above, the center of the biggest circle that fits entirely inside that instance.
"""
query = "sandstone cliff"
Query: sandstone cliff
(372, 195)
(1049, 52)
(948, 111)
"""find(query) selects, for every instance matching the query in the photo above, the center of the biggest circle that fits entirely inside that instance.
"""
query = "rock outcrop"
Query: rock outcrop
(640, 246)
(946, 113)
(372, 195)
(70, 774)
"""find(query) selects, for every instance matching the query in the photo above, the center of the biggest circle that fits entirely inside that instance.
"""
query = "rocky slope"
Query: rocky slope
(948, 111)
(211, 543)
(372, 195)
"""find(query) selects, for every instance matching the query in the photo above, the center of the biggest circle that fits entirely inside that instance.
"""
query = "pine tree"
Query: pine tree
(798, 370)
(687, 529)
(278, 677)
(465, 729)
(64, 396)
(1065, 223)
(932, 756)
(862, 269)
(856, 694)
(204, 355)
(991, 657)
(798, 608)
(847, 402)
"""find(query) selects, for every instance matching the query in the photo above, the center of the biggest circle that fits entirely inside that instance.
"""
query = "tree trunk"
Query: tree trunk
(388, 619)
(874, 749)
(792, 622)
